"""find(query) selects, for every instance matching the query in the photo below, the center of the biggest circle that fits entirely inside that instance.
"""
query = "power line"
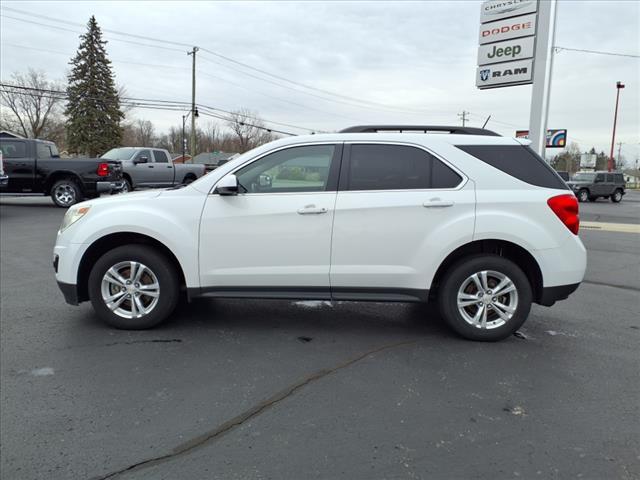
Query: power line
(149, 103)
(380, 106)
(597, 52)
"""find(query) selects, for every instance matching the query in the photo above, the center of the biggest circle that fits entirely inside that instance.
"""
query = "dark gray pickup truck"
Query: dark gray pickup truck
(589, 186)
(35, 167)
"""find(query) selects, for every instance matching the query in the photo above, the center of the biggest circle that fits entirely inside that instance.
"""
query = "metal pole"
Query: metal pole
(193, 102)
(615, 120)
(540, 95)
(184, 118)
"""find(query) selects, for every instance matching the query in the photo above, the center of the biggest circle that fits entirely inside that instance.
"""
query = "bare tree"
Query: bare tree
(145, 133)
(33, 104)
(249, 129)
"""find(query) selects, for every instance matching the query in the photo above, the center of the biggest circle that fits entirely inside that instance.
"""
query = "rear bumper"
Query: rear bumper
(109, 187)
(70, 292)
(551, 295)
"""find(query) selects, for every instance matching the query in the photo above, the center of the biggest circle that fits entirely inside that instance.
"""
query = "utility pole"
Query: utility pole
(619, 86)
(619, 149)
(463, 116)
(193, 102)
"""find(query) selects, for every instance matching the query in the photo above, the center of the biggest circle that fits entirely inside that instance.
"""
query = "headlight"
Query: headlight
(73, 215)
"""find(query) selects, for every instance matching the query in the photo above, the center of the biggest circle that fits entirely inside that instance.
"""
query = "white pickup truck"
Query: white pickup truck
(152, 167)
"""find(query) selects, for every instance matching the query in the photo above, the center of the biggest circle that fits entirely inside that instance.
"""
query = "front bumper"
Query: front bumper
(109, 187)
(70, 292)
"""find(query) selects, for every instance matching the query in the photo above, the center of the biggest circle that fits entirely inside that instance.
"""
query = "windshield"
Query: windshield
(583, 177)
(119, 154)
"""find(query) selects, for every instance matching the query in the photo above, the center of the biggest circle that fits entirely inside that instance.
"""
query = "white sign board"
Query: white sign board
(510, 50)
(517, 27)
(503, 74)
(498, 9)
(588, 160)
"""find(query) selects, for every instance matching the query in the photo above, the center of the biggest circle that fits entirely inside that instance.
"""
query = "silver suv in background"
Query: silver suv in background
(152, 167)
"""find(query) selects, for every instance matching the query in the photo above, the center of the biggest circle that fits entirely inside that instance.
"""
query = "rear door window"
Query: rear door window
(518, 161)
(609, 177)
(160, 156)
(395, 167)
(13, 149)
(619, 178)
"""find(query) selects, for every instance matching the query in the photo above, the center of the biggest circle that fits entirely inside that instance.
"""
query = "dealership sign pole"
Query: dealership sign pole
(516, 48)
(541, 93)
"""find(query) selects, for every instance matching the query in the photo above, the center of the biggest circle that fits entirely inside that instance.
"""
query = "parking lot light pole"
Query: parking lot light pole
(619, 86)
(184, 119)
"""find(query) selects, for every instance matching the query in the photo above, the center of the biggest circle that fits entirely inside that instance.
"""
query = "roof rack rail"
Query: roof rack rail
(420, 128)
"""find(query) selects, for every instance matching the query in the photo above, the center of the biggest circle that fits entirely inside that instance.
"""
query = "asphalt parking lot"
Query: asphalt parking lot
(237, 389)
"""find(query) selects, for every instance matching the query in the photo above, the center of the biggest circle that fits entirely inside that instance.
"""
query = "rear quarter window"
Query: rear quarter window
(518, 161)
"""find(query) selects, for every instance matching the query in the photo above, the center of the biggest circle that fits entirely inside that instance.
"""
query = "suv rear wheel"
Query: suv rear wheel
(485, 297)
(616, 197)
(133, 287)
(66, 192)
(583, 195)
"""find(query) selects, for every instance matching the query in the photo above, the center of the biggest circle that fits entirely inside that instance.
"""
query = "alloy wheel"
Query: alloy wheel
(130, 289)
(487, 299)
(65, 194)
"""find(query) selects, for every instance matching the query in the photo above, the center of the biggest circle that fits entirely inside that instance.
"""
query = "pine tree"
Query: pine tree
(93, 108)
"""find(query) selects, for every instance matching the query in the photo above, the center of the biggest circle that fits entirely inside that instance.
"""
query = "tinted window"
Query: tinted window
(519, 162)
(13, 149)
(43, 150)
(619, 178)
(161, 156)
(397, 167)
(442, 176)
(609, 177)
(296, 169)
(600, 178)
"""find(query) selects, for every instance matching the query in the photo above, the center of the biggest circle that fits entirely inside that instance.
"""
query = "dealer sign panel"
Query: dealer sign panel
(498, 9)
(518, 49)
(503, 74)
(507, 29)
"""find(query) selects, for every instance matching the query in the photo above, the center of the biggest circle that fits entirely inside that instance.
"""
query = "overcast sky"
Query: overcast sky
(410, 62)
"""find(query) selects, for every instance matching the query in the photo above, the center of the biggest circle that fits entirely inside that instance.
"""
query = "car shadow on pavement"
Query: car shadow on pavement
(356, 318)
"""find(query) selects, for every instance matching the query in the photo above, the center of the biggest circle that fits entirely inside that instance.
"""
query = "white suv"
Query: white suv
(461, 216)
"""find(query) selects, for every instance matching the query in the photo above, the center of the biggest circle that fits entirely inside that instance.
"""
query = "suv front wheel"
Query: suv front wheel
(133, 287)
(485, 297)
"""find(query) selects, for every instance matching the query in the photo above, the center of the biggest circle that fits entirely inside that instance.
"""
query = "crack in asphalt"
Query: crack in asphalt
(132, 342)
(612, 285)
(207, 437)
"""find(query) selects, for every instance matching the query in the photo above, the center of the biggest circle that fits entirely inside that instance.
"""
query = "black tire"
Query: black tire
(616, 197)
(583, 195)
(188, 179)
(127, 186)
(158, 264)
(66, 192)
(458, 275)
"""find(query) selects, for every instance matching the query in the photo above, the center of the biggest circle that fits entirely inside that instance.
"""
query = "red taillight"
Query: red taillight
(103, 170)
(566, 208)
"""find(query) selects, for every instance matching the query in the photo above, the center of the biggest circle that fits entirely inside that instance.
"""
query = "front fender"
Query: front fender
(171, 220)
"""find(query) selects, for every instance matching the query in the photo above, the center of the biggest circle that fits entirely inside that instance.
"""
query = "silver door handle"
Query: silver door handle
(437, 203)
(311, 210)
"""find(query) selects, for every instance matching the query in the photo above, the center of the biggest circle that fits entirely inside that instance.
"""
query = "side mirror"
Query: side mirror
(141, 160)
(227, 186)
